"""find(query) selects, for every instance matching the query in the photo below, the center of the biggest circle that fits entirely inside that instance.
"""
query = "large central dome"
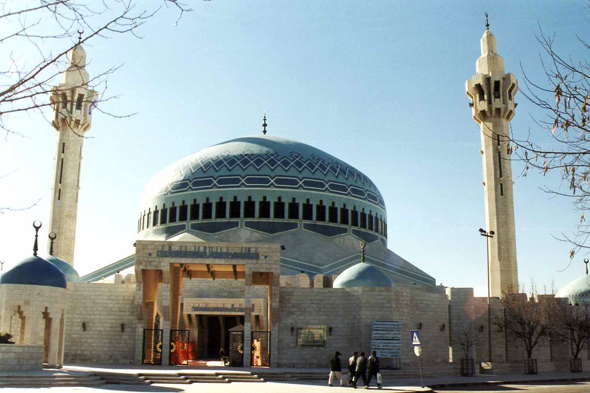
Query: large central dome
(274, 190)
(264, 161)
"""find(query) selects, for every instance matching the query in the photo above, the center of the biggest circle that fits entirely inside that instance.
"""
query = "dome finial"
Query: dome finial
(80, 32)
(363, 245)
(586, 262)
(487, 23)
(52, 237)
(36, 244)
(264, 124)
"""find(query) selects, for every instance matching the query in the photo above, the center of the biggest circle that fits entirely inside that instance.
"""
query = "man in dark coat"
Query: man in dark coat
(374, 369)
(352, 368)
(335, 369)
(361, 370)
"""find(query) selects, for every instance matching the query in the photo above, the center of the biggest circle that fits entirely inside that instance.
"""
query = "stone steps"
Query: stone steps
(188, 378)
(121, 379)
(50, 380)
(323, 375)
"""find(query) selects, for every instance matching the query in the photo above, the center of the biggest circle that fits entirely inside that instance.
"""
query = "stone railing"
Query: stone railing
(17, 357)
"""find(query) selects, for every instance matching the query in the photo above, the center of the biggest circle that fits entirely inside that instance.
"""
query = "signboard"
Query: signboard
(311, 336)
(211, 252)
(386, 339)
(415, 336)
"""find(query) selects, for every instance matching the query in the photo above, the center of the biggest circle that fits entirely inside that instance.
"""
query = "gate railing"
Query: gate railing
(236, 349)
(152, 346)
(179, 347)
(261, 348)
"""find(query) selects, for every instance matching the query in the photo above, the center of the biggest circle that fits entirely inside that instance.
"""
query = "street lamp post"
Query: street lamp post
(488, 235)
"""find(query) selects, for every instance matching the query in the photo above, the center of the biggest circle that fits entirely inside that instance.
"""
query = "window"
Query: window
(376, 228)
(354, 217)
(497, 89)
(143, 221)
(79, 101)
(172, 214)
(64, 100)
(164, 215)
(381, 225)
(363, 219)
(333, 213)
(182, 212)
(207, 210)
(344, 215)
(307, 211)
(194, 210)
(279, 208)
(61, 170)
(249, 208)
(149, 216)
(501, 189)
(156, 217)
(264, 208)
(293, 210)
(235, 208)
(139, 225)
(320, 212)
(385, 229)
(371, 221)
(63, 147)
(220, 208)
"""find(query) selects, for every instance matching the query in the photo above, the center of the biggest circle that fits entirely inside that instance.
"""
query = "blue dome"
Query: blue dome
(34, 271)
(264, 161)
(577, 291)
(67, 269)
(362, 275)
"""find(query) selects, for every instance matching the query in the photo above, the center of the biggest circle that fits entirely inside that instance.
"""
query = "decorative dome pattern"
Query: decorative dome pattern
(67, 269)
(362, 275)
(34, 271)
(577, 291)
(264, 161)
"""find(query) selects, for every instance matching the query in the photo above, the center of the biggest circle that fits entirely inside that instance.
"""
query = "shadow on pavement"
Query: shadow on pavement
(138, 388)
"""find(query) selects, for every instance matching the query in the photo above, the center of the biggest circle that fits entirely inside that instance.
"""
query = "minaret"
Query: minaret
(492, 94)
(72, 104)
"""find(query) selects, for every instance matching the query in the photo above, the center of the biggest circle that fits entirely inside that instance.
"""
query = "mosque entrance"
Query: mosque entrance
(210, 334)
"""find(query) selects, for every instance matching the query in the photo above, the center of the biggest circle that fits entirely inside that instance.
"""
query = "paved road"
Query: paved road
(557, 387)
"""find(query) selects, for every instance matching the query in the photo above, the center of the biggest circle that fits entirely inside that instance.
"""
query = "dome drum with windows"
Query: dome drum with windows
(275, 190)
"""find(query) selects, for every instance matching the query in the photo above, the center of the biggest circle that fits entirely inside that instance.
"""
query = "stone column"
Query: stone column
(175, 293)
(166, 343)
(273, 317)
(151, 282)
(248, 294)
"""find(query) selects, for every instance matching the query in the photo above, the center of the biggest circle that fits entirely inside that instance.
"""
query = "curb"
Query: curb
(505, 382)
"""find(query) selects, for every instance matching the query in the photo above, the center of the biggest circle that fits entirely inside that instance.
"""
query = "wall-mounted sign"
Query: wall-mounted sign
(386, 339)
(210, 252)
(311, 336)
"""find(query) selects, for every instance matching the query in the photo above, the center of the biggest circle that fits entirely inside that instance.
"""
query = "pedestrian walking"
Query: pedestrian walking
(352, 368)
(374, 370)
(361, 370)
(335, 369)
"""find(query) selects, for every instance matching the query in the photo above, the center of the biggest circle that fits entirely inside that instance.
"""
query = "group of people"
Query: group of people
(357, 369)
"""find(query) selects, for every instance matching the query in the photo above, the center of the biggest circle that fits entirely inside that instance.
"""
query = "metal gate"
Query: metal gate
(179, 340)
(236, 349)
(261, 349)
(152, 346)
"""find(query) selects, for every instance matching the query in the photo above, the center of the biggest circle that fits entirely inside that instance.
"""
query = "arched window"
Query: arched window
(371, 222)
(235, 208)
(172, 213)
(354, 217)
(194, 210)
(279, 208)
(164, 215)
(156, 216)
(363, 218)
(207, 210)
(148, 220)
(264, 208)
(320, 212)
(344, 215)
(333, 213)
(249, 208)
(221, 208)
(307, 211)
(293, 210)
(183, 212)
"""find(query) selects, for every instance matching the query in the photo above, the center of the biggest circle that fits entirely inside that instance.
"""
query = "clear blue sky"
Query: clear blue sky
(379, 84)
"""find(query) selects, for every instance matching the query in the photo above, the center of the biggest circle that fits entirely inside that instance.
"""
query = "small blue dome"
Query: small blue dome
(362, 275)
(577, 291)
(34, 271)
(67, 269)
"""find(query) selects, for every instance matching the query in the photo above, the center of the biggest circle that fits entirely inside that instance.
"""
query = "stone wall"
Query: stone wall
(18, 357)
(102, 308)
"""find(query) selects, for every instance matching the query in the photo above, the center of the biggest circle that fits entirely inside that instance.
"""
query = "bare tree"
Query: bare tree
(563, 97)
(572, 326)
(466, 335)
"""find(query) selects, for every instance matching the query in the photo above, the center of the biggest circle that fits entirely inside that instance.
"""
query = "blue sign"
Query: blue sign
(415, 335)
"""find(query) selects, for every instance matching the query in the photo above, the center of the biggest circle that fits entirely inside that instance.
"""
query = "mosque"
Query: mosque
(265, 247)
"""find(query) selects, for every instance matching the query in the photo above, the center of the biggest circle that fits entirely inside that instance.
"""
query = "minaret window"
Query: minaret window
(207, 210)
(194, 210)
(164, 215)
(63, 147)
(293, 210)
(501, 189)
(307, 211)
(79, 102)
(264, 208)
(354, 217)
(235, 208)
(279, 208)
(249, 208)
(61, 170)
(320, 212)
(182, 212)
(333, 213)
(496, 90)
(64, 102)
(363, 219)
(480, 93)
(344, 215)
(172, 213)
(221, 208)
